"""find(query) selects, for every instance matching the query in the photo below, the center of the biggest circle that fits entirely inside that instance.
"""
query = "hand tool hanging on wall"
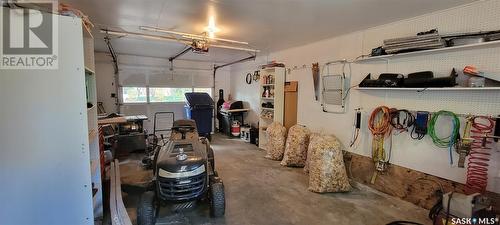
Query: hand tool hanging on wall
(448, 141)
(380, 127)
(315, 76)
(356, 127)
(477, 168)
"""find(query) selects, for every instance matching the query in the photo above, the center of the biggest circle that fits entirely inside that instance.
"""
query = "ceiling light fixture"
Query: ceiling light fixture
(211, 29)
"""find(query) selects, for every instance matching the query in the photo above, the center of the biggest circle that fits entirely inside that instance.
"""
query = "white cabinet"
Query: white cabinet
(44, 136)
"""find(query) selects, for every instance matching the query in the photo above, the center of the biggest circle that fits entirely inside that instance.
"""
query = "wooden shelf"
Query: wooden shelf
(432, 89)
(428, 52)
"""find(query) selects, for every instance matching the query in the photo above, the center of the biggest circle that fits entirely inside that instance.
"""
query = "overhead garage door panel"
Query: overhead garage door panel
(167, 79)
(134, 78)
(202, 79)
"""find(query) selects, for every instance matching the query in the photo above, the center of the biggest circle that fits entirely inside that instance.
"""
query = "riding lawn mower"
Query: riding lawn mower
(183, 174)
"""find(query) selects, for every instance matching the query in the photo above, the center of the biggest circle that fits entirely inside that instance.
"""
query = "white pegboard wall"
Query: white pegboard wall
(441, 63)
(462, 102)
(477, 16)
(485, 59)
(418, 155)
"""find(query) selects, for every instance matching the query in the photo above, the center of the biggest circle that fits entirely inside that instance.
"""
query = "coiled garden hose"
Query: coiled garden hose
(449, 141)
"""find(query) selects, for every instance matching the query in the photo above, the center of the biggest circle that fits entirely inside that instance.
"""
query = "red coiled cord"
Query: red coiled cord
(479, 156)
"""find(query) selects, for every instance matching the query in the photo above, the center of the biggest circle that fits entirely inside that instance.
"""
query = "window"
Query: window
(206, 90)
(158, 94)
(134, 95)
(168, 94)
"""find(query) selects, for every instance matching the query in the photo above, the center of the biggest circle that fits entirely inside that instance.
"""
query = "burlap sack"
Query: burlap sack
(276, 134)
(296, 146)
(327, 172)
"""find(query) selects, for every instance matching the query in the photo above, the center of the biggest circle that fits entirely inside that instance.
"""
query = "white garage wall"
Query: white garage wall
(419, 155)
(248, 93)
(154, 72)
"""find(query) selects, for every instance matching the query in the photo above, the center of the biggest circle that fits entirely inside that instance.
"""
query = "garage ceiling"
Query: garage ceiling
(267, 25)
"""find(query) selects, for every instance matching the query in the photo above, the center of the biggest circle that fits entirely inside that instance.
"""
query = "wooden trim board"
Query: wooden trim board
(410, 185)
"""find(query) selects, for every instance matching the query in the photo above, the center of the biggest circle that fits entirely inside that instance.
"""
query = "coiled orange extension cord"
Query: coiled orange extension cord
(379, 124)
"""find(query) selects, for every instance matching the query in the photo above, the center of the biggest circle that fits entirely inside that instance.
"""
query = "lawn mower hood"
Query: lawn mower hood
(181, 158)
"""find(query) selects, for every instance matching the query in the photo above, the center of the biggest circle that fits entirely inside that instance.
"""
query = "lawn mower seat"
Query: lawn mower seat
(184, 129)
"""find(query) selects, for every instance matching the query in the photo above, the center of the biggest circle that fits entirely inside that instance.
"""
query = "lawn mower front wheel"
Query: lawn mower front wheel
(146, 210)
(217, 199)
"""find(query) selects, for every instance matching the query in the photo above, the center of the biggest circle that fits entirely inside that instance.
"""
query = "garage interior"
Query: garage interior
(175, 112)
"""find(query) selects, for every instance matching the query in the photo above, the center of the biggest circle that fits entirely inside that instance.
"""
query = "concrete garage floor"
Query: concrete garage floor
(260, 191)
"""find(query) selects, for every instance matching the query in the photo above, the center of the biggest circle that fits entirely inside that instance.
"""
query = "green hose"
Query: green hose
(445, 142)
